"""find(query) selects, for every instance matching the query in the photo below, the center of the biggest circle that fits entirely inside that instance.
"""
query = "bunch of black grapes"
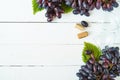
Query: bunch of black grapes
(53, 8)
(107, 68)
(83, 7)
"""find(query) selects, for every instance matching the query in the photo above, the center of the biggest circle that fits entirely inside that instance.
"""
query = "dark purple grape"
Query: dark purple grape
(102, 57)
(104, 51)
(89, 65)
(115, 4)
(76, 12)
(85, 24)
(110, 9)
(114, 68)
(40, 6)
(93, 76)
(94, 68)
(105, 77)
(82, 12)
(87, 6)
(59, 15)
(46, 15)
(49, 19)
(105, 65)
(119, 60)
(92, 6)
(90, 2)
(111, 49)
(83, 66)
(106, 71)
(83, 72)
(54, 0)
(39, 1)
(108, 56)
(112, 76)
(44, 5)
(86, 70)
(104, 7)
(74, 5)
(99, 68)
(116, 54)
(117, 48)
(118, 66)
(114, 60)
(91, 61)
(80, 3)
(84, 4)
(98, 4)
(79, 74)
(87, 14)
(89, 78)
(68, 3)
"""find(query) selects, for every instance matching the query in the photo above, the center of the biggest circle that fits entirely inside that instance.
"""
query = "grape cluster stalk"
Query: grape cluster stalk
(107, 68)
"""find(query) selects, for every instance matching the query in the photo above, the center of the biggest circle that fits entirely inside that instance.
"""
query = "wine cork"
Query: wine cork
(82, 35)
(79, 26)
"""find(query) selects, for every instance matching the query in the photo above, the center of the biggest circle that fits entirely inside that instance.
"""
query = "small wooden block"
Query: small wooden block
(80, 27)
(82, 35)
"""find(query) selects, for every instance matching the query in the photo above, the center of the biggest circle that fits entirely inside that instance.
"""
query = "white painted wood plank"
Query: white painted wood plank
(55, 33)
(41, 54)
(43, 73)
(21, 11)
(48, 44)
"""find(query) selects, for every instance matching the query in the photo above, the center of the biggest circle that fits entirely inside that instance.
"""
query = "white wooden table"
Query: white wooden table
(32, 49)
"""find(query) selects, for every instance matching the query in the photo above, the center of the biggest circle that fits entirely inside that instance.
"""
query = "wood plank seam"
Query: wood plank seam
(106, 22)
(38, 65)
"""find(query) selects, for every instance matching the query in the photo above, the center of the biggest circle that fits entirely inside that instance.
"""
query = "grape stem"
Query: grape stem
(92, 56)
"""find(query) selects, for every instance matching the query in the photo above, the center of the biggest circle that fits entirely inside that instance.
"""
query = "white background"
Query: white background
(32, 49)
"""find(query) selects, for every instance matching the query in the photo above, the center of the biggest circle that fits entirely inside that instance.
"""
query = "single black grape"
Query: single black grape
(114, 60)
(83, 72)
(82, 12)
(108, 56)
(98, 4)
(105, 65)
(90, 1)
(76, 12)
(115, 4)
(84, 23)
(89, 65)
(87, 14)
